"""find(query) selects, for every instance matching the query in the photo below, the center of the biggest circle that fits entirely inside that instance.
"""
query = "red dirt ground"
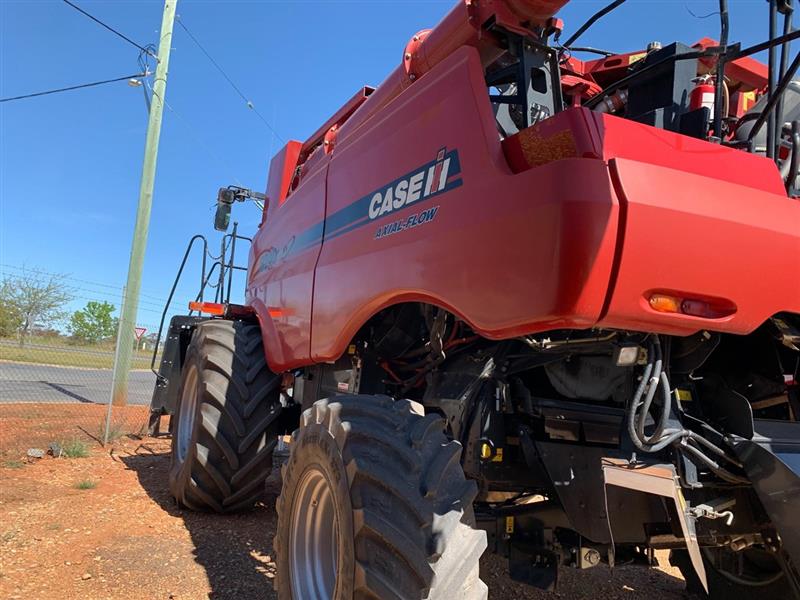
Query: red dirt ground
(26, 425)
(126, 538)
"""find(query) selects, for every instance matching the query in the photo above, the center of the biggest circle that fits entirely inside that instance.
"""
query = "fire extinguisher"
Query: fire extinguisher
(702, 95)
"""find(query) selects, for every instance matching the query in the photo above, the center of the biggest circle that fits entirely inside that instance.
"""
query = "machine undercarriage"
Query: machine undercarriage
(543, 418)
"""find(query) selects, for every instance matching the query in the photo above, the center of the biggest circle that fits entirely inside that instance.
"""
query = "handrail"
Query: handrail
(227, 255)
(172, 293)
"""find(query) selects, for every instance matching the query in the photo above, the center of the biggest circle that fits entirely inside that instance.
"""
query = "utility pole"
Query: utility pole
(130, 304)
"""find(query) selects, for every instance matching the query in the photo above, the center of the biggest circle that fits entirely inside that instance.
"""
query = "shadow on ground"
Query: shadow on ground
(234, 550)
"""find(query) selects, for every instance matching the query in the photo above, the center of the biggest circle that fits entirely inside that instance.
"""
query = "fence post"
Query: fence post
(110, 410)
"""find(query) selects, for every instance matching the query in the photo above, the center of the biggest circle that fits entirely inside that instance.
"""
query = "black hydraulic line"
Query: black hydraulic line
(773, 32)
(592, 20)
(652, 386)
(755, 49)
(770, 106)
(785, 49)
(719, 82)
(666, 402)
(666, 437)
(713, 466)
(699, 439)
(653, 379)
(795, 162)
(591, 50)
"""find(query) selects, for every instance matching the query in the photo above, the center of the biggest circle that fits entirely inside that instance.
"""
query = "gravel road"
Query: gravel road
(28, 382)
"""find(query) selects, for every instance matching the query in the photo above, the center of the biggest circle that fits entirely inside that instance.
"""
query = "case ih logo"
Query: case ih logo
(424, 182)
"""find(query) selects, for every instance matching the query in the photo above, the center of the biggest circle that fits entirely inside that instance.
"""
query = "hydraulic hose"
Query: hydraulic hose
(652, 386)
(712, 465)
(654, 379)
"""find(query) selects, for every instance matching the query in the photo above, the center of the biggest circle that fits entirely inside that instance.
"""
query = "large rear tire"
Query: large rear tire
(375, 505)
(225, 425)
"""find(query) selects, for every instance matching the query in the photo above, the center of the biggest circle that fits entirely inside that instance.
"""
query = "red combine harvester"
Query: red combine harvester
(513, 301)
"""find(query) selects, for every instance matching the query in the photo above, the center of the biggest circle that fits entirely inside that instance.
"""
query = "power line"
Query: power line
(111, 29)
(193, 132)
(186, 289)
(73, 87)
(247, 101)
(75, 279)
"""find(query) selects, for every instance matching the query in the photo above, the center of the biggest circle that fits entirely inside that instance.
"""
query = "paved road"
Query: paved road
(28, 382)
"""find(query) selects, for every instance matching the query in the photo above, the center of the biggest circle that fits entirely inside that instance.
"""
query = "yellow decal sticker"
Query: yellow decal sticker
(498, 455)
(636, 57)
(509, 524)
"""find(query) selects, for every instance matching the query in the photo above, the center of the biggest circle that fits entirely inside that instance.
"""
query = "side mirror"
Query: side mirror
(222, 218)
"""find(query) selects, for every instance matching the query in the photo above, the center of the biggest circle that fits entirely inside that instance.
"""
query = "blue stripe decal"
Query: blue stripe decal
(358, 214)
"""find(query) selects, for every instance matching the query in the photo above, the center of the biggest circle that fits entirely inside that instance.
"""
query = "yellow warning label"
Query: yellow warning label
(509, 524)
(749, 98)
(681, 500)
(683, 395)
(498, 455)
(636, 57)
(351, 349)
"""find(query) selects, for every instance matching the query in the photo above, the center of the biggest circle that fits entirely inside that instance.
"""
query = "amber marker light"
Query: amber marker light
(706, 309)
(211, 308)
(665, 304)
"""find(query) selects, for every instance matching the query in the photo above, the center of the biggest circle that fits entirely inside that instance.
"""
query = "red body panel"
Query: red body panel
(493, 242)
(281, 274)
(280, 173)
(569, 224)
(706, 238)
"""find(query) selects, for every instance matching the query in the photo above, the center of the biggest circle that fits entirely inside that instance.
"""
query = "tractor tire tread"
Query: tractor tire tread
(237, 415)
(413, 522)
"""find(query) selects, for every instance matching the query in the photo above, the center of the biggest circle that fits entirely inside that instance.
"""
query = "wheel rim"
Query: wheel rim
(314, 539)
(186, 414)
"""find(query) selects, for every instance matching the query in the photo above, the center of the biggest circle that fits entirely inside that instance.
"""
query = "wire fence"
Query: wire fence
(55, 393)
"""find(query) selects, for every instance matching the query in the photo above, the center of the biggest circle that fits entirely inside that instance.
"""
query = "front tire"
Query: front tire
(375, 505)
(226, 421)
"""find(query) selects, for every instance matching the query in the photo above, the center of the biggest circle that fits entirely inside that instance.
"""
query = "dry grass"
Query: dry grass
(54, 351)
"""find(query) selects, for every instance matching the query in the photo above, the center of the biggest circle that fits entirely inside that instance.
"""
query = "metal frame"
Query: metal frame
(530, 55)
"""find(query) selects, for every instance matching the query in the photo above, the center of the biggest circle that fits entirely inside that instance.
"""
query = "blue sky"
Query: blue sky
(70, 163)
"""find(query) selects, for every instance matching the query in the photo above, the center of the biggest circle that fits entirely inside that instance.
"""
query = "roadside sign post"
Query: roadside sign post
(139, 333)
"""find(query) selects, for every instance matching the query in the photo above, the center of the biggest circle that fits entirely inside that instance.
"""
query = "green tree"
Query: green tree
(10, 317)
(94, 323)
(36, 298)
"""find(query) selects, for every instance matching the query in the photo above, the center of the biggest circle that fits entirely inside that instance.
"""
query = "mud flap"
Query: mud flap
(772, 463)
(660, 480)
(165, 394)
